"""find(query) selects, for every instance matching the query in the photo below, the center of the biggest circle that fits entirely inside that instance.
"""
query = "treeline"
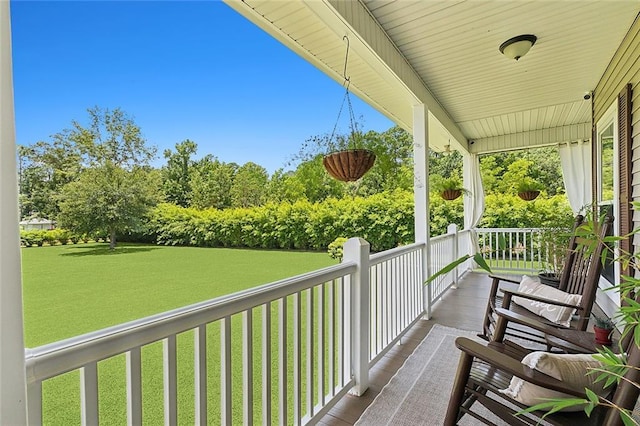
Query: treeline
(97, 179)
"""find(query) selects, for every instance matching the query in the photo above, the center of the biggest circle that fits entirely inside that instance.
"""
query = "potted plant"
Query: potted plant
(528, 189)
(603, 328)
(448, 188)
(553, 248)
(348, 164)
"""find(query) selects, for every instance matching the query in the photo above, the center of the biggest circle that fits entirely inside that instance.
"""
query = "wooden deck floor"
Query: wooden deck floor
(463, 308)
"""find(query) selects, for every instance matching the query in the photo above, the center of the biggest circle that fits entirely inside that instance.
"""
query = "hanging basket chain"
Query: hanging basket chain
(348, 165)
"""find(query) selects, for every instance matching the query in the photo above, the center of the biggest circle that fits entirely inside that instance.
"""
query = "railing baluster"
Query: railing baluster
(310, 351)
(297, 360)
(225, 371)
(321, 337)
(282, 351)
(247, 367)
(89, 394)
(170, 380)
(332, 344)
(134, 387)
(266, 364)
(200, 373)
(341, 326)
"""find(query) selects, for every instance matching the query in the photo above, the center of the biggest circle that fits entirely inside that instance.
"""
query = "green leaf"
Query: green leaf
(448, 268)
(479, 259)
(554, 405)
(591, 395)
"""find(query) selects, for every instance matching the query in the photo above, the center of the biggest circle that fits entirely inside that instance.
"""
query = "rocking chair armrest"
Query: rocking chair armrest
(506, 279)
(513, 366)
(539, 299)
(577, 338)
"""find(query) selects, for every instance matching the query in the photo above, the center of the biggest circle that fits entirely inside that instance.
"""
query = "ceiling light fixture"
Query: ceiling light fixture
(517, 47)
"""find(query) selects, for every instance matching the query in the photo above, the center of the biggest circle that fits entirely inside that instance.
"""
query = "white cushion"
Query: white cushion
(557, 314)
(571, 369)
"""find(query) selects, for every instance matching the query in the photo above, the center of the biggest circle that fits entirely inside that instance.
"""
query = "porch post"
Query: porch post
(357, 250)
(12, 364)
(421, 194)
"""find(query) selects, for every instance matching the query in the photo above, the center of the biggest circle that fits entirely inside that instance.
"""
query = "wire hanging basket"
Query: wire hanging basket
(348, 165)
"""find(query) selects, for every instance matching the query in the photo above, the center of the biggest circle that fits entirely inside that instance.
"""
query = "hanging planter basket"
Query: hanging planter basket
(349, 165)
(451, 194)
(529, 195)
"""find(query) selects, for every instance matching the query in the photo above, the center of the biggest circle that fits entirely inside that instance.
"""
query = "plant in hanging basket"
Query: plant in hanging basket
(448, 188)
(528, 189)
(349, 165)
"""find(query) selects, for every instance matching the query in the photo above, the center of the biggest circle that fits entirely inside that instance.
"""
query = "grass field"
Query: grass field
(74, 289)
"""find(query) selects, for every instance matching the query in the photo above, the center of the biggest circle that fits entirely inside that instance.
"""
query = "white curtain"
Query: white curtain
(473, 202)
(472, 181)
(575, 159)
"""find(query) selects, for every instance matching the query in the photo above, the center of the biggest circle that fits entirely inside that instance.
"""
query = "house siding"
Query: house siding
(623, 69)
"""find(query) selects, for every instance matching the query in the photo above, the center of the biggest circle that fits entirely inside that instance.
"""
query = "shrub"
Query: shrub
(32, 237)
(335, 249)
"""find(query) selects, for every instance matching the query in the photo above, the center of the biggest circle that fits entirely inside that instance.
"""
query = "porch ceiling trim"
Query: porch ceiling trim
(530, 139)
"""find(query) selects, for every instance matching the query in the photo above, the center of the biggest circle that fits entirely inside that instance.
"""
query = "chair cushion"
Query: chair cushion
(557, 314)
(572, 369)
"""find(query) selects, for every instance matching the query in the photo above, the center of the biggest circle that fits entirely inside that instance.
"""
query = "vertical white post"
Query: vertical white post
(357, 250)
(421, 194)
(13, 393)
(452, 230)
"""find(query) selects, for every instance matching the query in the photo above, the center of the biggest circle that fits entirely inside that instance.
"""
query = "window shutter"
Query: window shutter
(624, 162)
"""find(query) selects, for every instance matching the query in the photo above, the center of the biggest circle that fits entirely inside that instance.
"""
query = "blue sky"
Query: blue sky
(182, 70)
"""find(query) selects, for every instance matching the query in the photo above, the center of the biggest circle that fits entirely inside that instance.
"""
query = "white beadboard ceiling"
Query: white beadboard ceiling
(444, 53)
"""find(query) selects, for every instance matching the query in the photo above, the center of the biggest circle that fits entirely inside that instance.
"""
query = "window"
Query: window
(608, 201)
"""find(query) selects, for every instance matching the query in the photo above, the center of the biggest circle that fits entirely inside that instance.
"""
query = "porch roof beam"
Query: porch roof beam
(531, 139)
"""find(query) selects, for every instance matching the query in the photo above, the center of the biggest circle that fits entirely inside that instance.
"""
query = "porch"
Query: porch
(289, 352)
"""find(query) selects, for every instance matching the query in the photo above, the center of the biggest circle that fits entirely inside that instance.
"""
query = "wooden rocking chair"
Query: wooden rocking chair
(579, 276)
(484, 370)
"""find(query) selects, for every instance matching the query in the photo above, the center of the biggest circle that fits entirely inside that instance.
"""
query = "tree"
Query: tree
(317, 183)
(249, 185)
(285, 186)
(111, 138)
(108, 199)
(44, 168)
(211, 183)
(116, 187)
(177, 173)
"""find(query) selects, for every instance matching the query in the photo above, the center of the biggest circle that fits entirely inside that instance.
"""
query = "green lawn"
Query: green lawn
(74, 289)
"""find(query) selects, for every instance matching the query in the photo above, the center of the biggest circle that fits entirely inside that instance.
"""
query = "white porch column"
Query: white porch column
(421, 192)
(12, 369)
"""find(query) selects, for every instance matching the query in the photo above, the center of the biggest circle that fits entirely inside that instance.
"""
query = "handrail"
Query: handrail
(66, 355)
(395, 252)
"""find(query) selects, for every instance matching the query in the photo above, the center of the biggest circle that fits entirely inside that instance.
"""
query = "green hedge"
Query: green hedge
(38, 237)
(385, 220)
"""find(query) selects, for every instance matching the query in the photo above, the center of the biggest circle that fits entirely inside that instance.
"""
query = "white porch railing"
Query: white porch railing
(444, 250)
(305, 340)
(511, 249)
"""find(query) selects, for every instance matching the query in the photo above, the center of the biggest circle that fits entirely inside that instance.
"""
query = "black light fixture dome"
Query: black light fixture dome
(518, 46)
